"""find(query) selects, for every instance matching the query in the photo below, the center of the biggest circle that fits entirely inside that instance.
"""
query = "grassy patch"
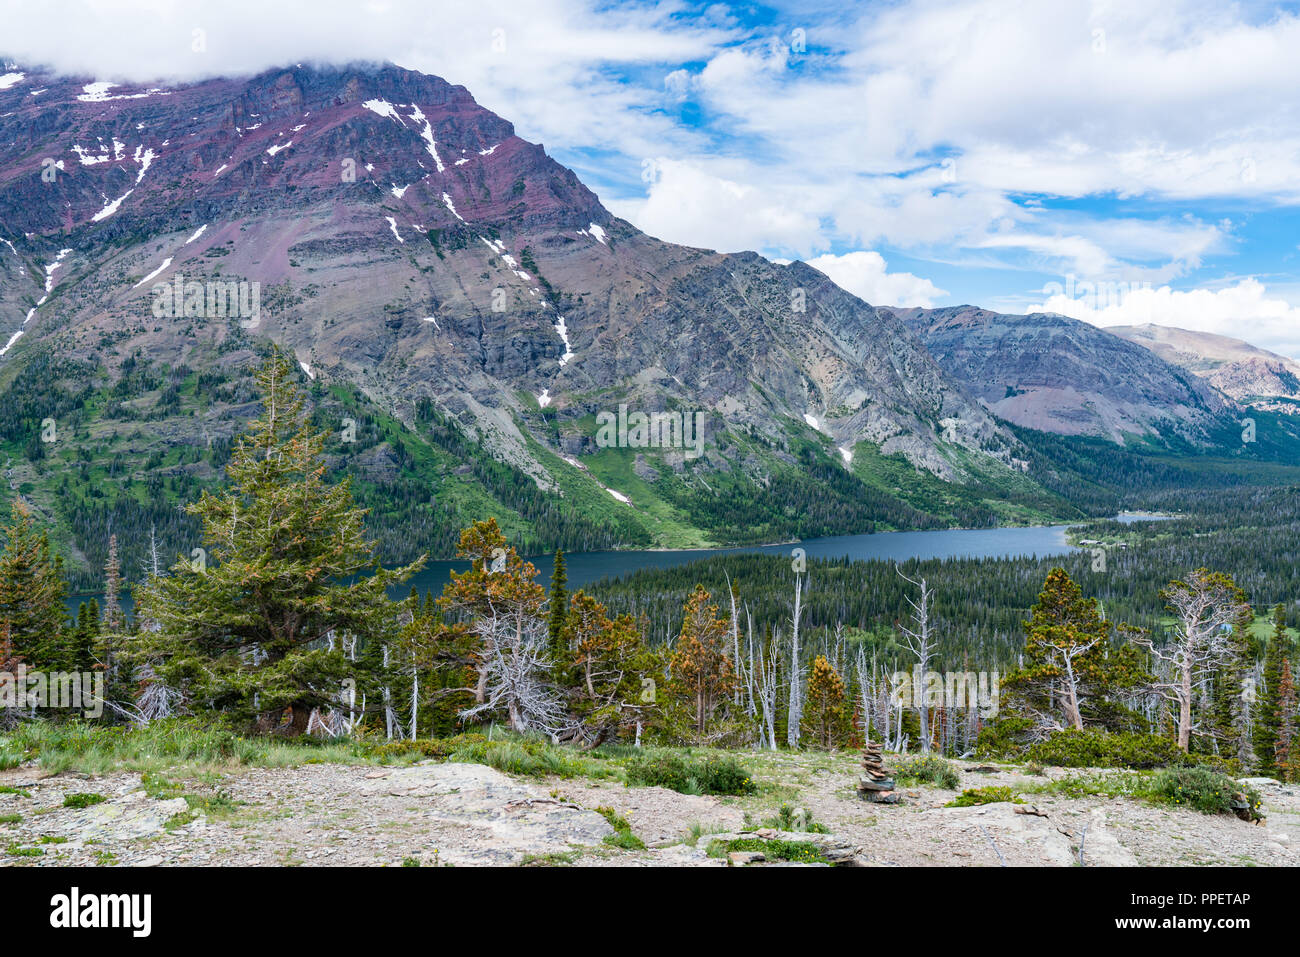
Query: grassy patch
(530, 757)
(81, 800)
(622, 836)
(928, 769)
(687, 774)
(791, 818)
(803, 852)
(994, 794)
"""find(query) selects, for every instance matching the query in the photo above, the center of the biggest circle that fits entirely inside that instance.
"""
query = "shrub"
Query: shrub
(1206, 790)
(688, 774)
(1101, 749)
(928, 769)
(425, 747)
(993, 794)
(82, 800)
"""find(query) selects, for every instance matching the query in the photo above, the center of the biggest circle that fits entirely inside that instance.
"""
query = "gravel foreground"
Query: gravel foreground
(464, 814)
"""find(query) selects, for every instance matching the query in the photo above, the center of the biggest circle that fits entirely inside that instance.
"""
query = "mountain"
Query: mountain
(466, 314)
(1055, 374)
(1248, 374)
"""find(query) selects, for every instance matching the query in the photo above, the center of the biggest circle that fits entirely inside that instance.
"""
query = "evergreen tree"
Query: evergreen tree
(258, 629)
(1068, 664)
(85, 633)
(558, 605)
(1230, 690)
(606, 668)
(32, 593)
(112, 611)
(701, 669)
(1267, 714)
(1284, 750)
(823, 716)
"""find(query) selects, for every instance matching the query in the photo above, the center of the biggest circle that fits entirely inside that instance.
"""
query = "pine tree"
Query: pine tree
(1267, 716)
(84, 635)
(112, 611)
(1284, 756)
(32, 593)
(257, 629)
(1230, 687)
(1068, 662)
(558, 605)
(823, 716)
(701, 668)
(607, 667)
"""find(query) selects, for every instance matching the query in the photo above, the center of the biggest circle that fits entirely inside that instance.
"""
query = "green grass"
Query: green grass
(928, 769)
(622, 836)
(689, 774)
(993, 794)
(530, 757)
(803, 852)
(789, 818)
(1197, 788)
(82, 800)
(90, 749)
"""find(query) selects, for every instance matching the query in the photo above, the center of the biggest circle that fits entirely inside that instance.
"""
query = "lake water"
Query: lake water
(585, 568)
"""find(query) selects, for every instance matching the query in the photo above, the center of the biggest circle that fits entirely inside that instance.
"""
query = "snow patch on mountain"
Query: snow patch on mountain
(111, 207)
(562, 330)
(166, 262)
(427, 135)
(383, 108)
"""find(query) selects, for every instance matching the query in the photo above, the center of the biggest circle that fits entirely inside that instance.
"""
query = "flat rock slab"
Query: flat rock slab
(127, 818)
(506, 820)
(1027, 836)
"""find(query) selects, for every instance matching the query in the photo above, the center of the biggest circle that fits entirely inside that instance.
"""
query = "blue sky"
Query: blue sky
(1142, 154)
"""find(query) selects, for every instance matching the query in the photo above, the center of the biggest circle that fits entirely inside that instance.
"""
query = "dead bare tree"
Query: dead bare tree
(514, 672)
(1205, 606)
(796, 669)
(921, 643)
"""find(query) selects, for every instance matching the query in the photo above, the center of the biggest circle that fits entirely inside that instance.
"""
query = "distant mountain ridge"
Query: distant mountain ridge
(1057, 374)
(1247, 373)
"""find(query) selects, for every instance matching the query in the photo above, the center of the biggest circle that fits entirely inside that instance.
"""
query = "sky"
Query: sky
(1120, 162)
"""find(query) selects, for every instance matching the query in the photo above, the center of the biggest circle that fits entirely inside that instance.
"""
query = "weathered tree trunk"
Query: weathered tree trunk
(1185, 710)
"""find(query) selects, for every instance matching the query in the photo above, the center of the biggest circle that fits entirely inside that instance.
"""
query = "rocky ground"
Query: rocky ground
(463, 814)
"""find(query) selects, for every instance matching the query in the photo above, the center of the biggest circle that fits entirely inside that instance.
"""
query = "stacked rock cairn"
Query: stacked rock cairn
(875, 785)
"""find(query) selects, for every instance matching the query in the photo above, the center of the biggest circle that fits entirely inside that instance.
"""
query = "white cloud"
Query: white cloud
(864, 273)
(696, 207)
(1243, 310)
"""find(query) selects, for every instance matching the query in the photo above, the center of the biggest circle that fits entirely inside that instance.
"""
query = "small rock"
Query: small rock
(744, 858)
